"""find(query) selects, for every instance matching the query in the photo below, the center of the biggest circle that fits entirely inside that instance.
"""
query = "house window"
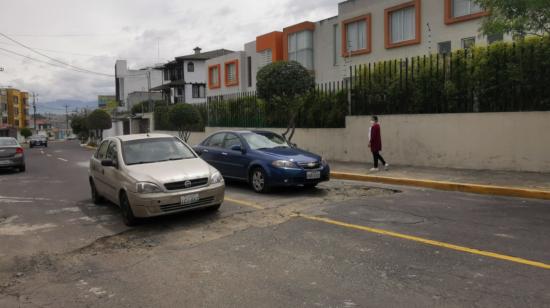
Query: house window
(444, 47)
(402, 24)
(249, 70)
(198, 91)
(179, 92)
(232, 73)
(465, 7)
(356, 33)
(300, 48)
(468, 42)
(166, 74)
(462, 10)
(190, 67)
(265, 57)
(214, 77)
(335, 44)
(492, 38)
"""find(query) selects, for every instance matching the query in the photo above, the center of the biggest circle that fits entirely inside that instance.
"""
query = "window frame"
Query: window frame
(218, 84)
(445, 42)
(368, 39)
(450, 19)
(418, 24)
(190, 67)
(235, 82)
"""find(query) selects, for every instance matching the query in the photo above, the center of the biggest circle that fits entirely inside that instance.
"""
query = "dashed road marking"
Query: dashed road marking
(427, 241)
(62, 159)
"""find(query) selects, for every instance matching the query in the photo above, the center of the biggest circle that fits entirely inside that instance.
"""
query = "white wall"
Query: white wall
(223, 90)
(135, 80)
(486, 141)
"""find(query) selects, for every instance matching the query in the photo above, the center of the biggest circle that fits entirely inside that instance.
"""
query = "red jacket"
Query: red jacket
(375, 138)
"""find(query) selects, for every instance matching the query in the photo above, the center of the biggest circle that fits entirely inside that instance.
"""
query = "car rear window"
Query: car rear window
(8, 142)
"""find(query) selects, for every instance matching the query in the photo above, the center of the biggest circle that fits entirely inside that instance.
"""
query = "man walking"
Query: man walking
(375, 144)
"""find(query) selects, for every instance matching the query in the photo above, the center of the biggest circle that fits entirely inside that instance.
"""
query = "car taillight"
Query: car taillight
(19, 151)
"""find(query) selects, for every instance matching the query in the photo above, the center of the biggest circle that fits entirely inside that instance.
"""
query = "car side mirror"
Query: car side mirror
(109, 163)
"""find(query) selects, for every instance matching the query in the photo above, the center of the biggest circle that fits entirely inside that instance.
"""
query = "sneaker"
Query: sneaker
(374, 169)
(387, 167)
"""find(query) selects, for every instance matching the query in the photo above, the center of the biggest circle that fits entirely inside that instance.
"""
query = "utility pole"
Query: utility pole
(34, 95)
(66, 120)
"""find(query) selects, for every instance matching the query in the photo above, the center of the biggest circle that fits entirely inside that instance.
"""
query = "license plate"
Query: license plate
(312, 175)
(188, 199)
(4, 162)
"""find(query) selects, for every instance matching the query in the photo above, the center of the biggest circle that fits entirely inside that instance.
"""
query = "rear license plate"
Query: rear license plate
(312, 175)
(188, 199)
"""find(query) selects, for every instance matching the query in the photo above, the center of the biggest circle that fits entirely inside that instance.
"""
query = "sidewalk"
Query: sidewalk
(445, 178)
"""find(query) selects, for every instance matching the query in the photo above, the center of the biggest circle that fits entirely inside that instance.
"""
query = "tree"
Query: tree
(185, 117)
(79, 125)
(25, 132)
(518, 17)
(98, 121)
(283, 85)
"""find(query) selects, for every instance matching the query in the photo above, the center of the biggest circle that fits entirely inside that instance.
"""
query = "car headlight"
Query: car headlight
(147, 188)
(216, 178)
(284, 164)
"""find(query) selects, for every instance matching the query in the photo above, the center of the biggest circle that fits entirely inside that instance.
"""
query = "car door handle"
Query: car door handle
(224, 153)
(205, 151)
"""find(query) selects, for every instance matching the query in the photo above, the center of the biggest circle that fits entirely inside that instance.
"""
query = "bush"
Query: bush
(25, 132)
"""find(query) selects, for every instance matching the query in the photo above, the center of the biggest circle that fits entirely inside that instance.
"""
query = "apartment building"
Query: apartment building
(185, 78)
(14, 108)
(128, 81)
(363, 31)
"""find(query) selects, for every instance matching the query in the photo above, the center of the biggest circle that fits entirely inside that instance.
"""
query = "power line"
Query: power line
(48, 63)
(53, 59)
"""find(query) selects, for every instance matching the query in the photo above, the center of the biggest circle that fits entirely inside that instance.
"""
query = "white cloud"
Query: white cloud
(93, 34)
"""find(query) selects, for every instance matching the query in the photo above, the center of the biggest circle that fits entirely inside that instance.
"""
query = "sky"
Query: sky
(93, 34)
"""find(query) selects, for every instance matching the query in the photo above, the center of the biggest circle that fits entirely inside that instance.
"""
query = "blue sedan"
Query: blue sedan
(264, 159)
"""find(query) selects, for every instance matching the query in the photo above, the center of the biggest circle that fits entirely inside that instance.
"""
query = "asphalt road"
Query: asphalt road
(345, 244)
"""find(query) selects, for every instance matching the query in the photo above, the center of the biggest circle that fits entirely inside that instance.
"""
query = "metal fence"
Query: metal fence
(498, 78)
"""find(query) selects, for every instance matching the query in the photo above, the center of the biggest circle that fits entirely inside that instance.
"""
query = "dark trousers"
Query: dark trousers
(376, 156)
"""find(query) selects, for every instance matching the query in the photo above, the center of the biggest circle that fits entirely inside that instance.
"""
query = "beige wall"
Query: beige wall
(497, 141)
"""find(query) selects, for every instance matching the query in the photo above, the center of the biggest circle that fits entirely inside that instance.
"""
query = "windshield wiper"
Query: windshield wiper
(140, 163)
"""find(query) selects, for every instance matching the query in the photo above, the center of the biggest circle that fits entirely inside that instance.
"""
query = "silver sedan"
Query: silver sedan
(151, 175)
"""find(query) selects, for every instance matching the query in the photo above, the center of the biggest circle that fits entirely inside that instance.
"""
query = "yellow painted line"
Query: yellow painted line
(427, 241)
(62, 159)
(245, 203)
(442, 185)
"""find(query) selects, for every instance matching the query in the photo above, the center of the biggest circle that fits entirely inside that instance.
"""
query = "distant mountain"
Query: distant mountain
(58, 106)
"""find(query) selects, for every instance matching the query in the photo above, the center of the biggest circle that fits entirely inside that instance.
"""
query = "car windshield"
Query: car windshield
(145, 151)
(7, 142)
(266, 140)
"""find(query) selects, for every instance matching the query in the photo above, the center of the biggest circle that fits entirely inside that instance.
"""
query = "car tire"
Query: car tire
(258, 180)
(96, 197)
(126, 210)
(22, 168)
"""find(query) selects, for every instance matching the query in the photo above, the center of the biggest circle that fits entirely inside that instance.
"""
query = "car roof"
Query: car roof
(142, 136)
(244, 131)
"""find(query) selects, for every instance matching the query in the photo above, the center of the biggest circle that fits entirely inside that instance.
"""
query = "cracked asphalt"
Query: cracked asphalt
(345, 244)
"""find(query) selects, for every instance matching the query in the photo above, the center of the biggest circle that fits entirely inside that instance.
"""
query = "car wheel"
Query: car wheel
(127, 213)
(258, 180)
(22, 168)
(96, 197)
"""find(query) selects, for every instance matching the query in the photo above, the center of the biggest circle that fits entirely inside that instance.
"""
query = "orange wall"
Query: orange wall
(273, 41)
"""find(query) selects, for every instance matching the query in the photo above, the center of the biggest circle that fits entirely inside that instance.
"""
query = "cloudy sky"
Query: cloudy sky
(93, 34)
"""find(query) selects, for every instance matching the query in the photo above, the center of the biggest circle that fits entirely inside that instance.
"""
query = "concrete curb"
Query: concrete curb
(442, 185)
